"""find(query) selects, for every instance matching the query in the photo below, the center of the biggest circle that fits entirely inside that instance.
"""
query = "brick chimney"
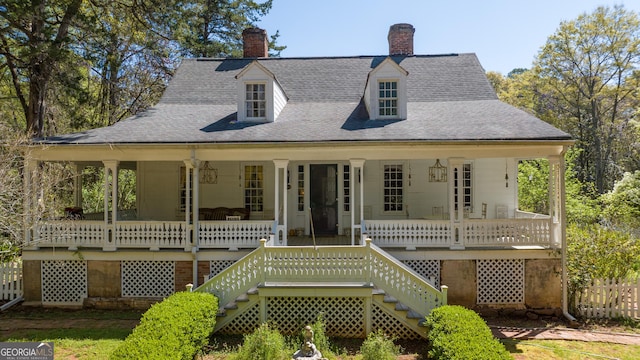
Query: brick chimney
(256, 44)
(401, 39)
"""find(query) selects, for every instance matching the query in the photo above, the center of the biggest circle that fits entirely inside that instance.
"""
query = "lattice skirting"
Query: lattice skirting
(147, 278)
(245, 323)
(64, 281)
(390, 325)
(500, 281)
(343, 317)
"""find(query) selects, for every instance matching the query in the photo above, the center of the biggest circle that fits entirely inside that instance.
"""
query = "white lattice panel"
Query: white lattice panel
(245, 323)
(64, 281)
(500, 281)
(147, 278)
(343, 316)
(390, 325)
(217, 266)
(429, 269)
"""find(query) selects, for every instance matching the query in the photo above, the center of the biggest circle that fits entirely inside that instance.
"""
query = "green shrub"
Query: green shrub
(176, 328)
(264, 343)
(457, 333)
(378, 346)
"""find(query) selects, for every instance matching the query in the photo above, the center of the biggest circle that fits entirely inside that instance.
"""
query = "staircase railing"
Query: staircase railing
(403, 283)
(364, 265)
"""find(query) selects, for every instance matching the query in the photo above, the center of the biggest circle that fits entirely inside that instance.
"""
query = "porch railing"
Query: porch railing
(473, 232)
(507, 232)
(69, 233)
(410, 234)
(233, 234)
(153, 235)
(365, 265)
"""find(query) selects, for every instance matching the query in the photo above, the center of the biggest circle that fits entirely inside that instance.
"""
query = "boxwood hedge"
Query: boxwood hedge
(176, 328)
(457, 333)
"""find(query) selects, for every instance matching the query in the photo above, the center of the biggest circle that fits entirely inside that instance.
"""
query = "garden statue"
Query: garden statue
(308, 350)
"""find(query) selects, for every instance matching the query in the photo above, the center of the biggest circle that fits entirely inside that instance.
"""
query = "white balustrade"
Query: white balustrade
(69, 233)
(409, 233)
(404, 284)
(507, 232)
(233, 234)
(365, 265)
(151, 234)
(316, 264)
(236, 279)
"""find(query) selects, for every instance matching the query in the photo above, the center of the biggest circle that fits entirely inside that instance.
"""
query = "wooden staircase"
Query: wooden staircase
(359, 289)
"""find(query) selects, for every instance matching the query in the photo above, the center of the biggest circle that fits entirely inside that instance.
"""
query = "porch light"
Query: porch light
(208, 175)
(437, 172)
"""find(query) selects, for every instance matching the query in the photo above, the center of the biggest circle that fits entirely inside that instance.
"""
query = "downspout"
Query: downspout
(563, 235)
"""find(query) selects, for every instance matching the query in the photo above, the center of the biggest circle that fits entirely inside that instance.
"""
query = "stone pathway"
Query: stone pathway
(564, 334)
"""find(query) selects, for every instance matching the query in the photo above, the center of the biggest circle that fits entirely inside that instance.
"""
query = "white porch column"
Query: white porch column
(188, 168)
(556, 199)
(456, 216)
(281, 191)
(77, 185)
(110, 183)
(29, 201)
(196, 201)
(359, 165)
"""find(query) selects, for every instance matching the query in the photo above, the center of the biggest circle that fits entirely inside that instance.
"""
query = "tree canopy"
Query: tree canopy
(77, 64)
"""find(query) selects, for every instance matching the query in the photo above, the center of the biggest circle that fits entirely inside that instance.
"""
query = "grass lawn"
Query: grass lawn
(94, 334)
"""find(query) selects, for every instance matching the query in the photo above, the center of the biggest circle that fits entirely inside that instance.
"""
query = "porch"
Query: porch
(524, 232)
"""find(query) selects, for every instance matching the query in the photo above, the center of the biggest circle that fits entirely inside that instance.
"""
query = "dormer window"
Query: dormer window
(385, 94)
(260, 96)
(255, 101)
(388, 98)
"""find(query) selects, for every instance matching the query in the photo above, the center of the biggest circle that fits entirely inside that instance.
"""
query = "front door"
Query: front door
(323, 186)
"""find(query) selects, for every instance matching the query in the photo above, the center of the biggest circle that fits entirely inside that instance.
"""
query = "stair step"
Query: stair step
(242, 298)
(253, 291)
(414, 315)
(221, 313)
(390, 299)
(401, 307)
(231, 306)
(378, 291)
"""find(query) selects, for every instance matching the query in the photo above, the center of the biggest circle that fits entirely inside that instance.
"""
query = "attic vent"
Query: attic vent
(401, 39)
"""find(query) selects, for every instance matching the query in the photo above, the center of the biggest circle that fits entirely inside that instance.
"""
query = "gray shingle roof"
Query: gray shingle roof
(450, 99)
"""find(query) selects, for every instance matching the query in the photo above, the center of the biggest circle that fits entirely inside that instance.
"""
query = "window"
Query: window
(300, 187)
(393, 188)
(255, 100)
(465, 186)
(346, 191)
(253, 188)
(388, 98)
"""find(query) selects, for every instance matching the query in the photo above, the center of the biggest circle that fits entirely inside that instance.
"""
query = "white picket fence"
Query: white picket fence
(610, 298)
(11, 280)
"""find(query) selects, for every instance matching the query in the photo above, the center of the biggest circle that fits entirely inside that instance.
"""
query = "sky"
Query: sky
(504, 34)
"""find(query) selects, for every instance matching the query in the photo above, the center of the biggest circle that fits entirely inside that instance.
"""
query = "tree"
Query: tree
(213, 28)
(35, 39)
(622, 204)
(588, 69)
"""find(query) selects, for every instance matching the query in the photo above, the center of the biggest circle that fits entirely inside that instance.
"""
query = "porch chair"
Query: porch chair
(234, 217)
(484, 210)
(437, 211)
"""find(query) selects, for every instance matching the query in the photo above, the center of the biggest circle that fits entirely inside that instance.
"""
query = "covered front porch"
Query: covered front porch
(407, 203)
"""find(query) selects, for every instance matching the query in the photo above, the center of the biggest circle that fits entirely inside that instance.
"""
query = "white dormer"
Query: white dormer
(385, 94)
(260, 96)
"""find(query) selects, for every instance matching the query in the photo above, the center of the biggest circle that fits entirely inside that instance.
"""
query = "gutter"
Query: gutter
(11, 303)
(563, 232)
